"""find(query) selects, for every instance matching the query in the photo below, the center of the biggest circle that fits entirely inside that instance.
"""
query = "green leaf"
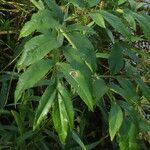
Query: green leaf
(102, 55)
(128, 136)
(99, 88)
(121, 2)
(45, 103)
(127, 90)
(39, 4)
(78, 140)
(111, 36)
(74, 58)
(98, 19)
(131, 20)
(78, 3)
(143, 20)
(77, 80)
(3, 92)
(116, 23)
(92, 3)
(145, 89)
(57, 12)
(41, 20)
(81, 28)
(132, 72)
(68, 106)
(60, 119)
(135, 5)
(115, 120)
(116, 61)
(31, 76)
(63, 113)
(36, 49)
(85, 50)
(19, 121)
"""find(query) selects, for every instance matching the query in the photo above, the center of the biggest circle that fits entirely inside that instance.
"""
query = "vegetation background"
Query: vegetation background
(74, 74)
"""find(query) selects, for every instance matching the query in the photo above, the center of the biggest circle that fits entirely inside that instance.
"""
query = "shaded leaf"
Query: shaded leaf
(78, 140)
(143, 20)
(127, 90)
(78, 3)
(18, 121)
(57, 12)
(145, 89)
(115, 120)
(92, 3)
(116, 61)
(128, 135)
(99, 88)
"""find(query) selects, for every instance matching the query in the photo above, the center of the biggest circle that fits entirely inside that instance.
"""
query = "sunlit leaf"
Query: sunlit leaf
(85, 50)
(43, 19)
(31, 76)
(45, 104)
(60, 118)
(36, 49)
(77, 80)
(98, 19)
(116, 23)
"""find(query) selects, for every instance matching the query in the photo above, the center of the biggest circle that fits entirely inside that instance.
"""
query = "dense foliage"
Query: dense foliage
(78, 77)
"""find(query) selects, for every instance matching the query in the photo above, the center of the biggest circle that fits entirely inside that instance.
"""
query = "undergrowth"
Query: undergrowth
(74, 74)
